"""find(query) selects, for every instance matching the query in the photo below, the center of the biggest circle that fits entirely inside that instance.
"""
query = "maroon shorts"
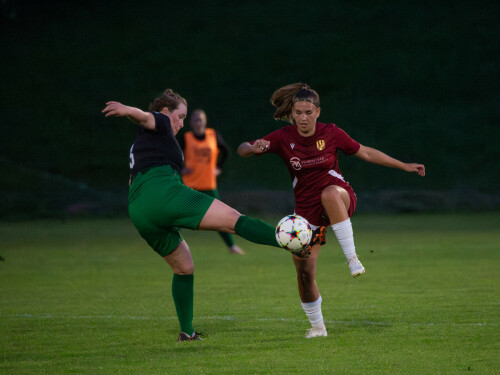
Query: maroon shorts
(315, 213)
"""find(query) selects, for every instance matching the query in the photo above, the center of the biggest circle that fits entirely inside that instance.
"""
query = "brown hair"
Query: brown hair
(284, 97)
(168, 99)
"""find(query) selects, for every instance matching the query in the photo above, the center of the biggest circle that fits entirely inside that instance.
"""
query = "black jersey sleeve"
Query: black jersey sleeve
(162, 123)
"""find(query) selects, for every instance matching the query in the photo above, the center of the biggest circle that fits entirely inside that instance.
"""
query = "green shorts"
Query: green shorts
(159, 204)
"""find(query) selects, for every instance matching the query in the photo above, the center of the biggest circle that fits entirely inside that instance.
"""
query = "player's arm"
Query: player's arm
(374, 156)
(137, 116)
(247, 149)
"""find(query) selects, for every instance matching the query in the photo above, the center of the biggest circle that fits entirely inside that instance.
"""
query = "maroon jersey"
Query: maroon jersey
(313, 165)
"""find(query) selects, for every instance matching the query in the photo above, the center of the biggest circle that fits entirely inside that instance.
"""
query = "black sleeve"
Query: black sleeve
(223, 150)
(162, 123)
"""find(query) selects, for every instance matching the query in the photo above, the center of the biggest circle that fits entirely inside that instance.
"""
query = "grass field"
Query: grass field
(89, 297)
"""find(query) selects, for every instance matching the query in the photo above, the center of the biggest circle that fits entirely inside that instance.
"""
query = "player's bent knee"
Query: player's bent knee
(330, 194)
(185, 270)
(180, 260)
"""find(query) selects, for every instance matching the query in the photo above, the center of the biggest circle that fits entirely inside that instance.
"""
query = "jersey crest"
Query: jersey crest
(320, 144)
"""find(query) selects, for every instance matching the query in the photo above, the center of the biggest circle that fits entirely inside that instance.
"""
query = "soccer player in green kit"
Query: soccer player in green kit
(160, 204)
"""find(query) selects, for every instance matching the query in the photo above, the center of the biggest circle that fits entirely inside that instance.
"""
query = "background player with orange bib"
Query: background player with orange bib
(204, 154)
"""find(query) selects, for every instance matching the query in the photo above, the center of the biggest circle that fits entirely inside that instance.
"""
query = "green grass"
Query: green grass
(89, 297)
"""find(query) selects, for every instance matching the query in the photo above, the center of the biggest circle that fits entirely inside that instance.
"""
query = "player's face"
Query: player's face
(176, 117)
(305, 115)
(198, 123)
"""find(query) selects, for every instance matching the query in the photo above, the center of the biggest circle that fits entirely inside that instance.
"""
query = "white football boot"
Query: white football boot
(316, 332)
(356, 267)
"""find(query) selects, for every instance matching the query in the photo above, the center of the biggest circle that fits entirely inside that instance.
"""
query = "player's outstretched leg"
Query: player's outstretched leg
(223, 218)
(257, 231)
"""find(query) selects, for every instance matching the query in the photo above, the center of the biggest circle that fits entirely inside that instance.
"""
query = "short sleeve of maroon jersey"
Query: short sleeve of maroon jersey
(345, 143)
(274, 139)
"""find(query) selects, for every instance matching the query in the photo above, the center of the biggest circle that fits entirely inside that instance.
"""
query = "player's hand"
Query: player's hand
(416, 168)
(116, 109)
(260, 146)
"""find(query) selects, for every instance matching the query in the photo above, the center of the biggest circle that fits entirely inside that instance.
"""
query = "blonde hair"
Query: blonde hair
(284, 97)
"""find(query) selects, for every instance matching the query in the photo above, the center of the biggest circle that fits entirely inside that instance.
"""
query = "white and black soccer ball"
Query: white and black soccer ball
(293, 232)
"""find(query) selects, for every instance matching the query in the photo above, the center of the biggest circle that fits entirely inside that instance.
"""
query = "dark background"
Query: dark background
(416, 79)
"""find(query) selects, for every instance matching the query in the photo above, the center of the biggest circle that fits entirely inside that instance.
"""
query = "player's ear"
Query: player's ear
(318, 111)
(164, 110)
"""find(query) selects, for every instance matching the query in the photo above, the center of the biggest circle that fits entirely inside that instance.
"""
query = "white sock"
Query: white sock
(313, 312)
(343, 231)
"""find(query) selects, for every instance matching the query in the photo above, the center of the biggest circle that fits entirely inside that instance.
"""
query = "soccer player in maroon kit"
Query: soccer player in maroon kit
(322, 196)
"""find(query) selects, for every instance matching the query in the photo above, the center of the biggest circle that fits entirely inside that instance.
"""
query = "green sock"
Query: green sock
(256, 231)
(182, 292)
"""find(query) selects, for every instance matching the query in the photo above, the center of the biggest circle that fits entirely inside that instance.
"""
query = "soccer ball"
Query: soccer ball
(293, 232)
